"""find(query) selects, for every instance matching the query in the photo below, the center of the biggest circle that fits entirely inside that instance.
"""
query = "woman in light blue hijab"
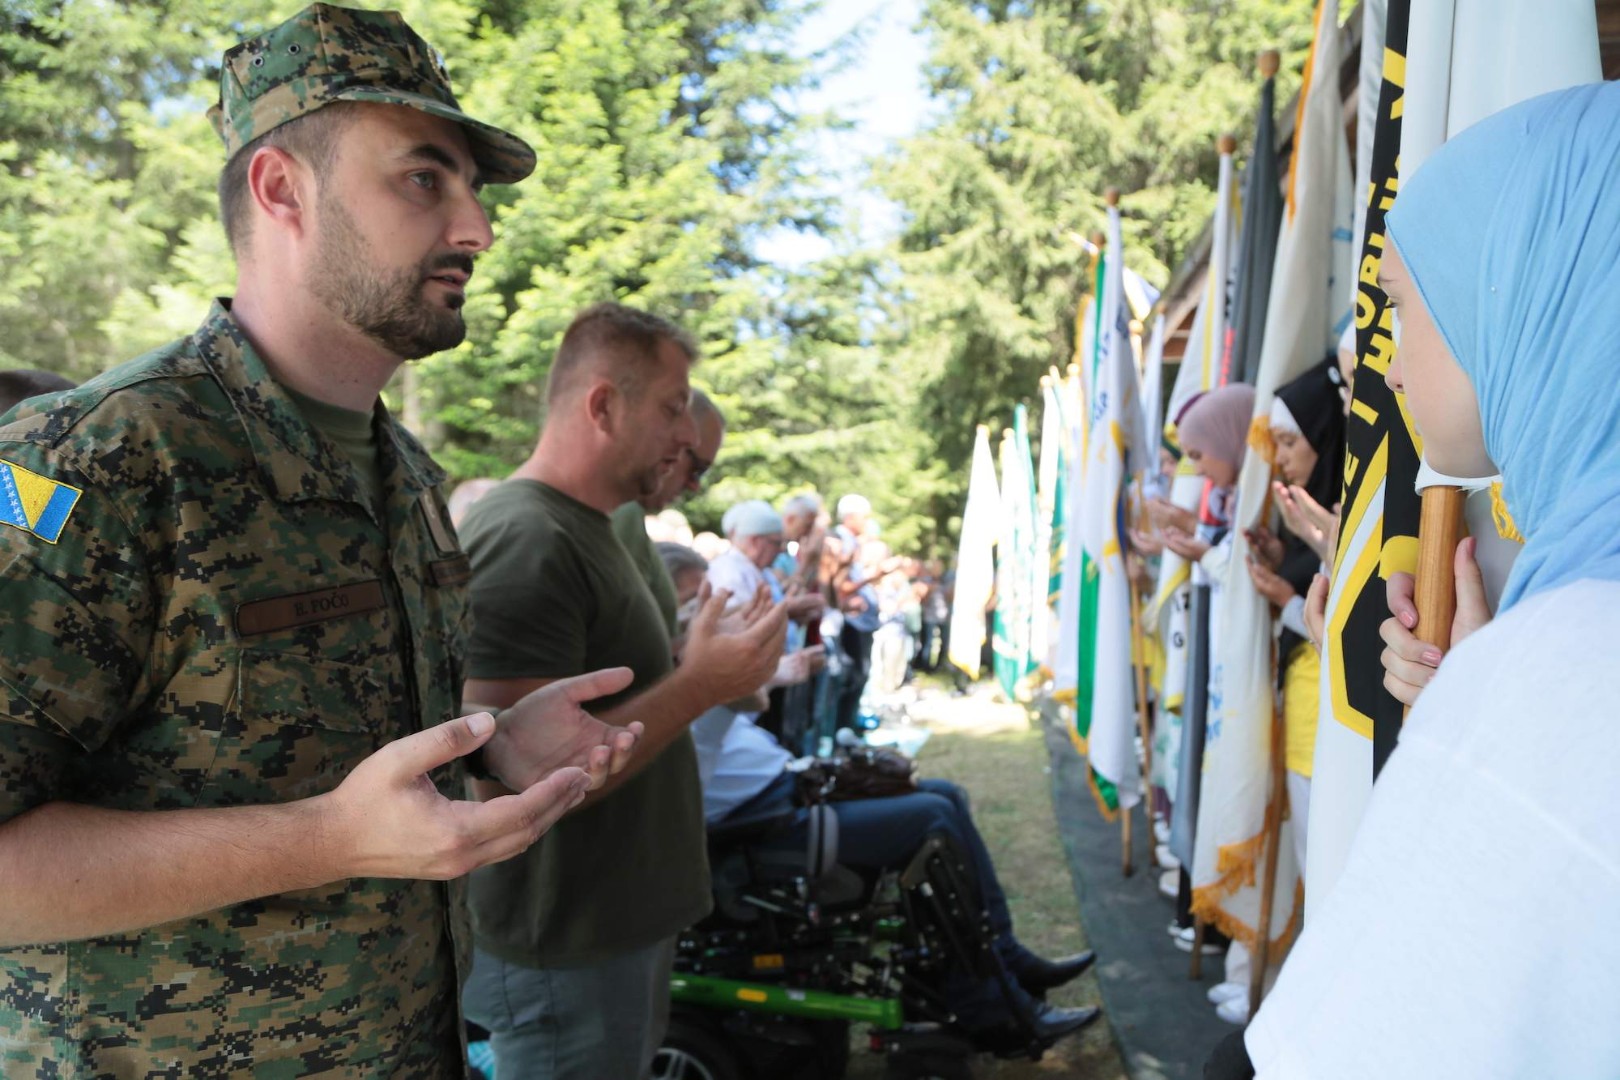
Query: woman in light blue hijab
(1511, 245)
(1471, 933)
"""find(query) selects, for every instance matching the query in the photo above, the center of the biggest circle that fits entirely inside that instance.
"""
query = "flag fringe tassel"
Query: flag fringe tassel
(1236, 867)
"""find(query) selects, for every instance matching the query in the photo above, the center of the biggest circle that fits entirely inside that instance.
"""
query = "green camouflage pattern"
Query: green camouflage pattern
(126, 681)
(325, 54)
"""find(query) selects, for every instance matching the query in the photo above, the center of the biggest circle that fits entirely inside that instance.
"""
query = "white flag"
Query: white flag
(975, 559)
(1309, 305)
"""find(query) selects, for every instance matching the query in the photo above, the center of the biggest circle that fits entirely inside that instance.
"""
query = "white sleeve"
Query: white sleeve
(1293, 616)
(733, 575)
(1492, 822)
(1215, 559)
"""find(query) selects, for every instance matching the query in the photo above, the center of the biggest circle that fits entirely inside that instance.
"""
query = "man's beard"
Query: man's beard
(386, 306)
(649, 482)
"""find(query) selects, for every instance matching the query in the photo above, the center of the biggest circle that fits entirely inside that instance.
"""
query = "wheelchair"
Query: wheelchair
(799, 947)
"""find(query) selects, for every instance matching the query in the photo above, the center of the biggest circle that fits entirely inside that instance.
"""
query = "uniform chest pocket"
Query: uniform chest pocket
(299, 724)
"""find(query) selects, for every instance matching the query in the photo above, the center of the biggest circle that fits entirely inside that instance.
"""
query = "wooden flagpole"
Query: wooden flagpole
(1440, 528)
(1268, 890)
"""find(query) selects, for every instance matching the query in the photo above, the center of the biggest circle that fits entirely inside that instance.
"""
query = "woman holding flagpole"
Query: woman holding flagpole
(1466, 934)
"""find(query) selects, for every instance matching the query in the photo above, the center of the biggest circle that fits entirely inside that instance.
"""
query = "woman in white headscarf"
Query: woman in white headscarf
(1469, 934)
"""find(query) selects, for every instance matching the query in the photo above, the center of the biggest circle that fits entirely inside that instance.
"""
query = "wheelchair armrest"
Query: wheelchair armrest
(817, 858)
(728, 831)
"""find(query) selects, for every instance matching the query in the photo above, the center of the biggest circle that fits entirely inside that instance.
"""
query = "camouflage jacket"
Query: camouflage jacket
(202, 610)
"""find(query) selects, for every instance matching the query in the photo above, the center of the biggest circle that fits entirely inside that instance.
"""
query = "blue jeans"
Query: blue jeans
(885, 833)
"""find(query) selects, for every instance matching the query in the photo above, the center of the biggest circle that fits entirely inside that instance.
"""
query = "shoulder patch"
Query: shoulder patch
(34, 503)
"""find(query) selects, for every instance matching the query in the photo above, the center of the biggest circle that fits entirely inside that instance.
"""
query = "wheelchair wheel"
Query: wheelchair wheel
(692, 1052)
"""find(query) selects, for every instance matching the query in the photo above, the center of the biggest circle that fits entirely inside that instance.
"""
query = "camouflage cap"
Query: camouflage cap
(327, 53)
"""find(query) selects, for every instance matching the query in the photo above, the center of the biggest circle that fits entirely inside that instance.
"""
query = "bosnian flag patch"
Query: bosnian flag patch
(35, 503)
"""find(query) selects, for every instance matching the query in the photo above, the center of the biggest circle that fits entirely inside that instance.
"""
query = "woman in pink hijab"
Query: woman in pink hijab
(1214, 433)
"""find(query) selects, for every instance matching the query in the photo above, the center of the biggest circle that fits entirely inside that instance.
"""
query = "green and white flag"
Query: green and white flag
(1047, 567)
(975, 559)
(1105, 709)
(1015, 558)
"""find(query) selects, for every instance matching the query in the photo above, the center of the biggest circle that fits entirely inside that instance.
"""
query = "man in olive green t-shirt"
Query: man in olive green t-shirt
(576, 936)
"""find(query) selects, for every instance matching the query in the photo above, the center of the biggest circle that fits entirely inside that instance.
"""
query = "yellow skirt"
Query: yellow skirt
(1301, 694)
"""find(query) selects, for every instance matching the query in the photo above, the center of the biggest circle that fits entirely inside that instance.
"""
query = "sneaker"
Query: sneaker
(1224, 992)
(1184, 941)
(1170, 884)
(1235, 1011)
(1166, 860)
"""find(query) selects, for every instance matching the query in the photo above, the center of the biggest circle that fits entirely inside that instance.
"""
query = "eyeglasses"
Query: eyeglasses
(699, 467)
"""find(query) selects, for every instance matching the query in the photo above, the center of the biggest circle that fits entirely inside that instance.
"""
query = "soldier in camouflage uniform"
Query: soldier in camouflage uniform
(230, 664)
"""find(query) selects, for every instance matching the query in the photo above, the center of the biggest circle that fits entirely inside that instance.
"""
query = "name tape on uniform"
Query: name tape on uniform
(301, 609)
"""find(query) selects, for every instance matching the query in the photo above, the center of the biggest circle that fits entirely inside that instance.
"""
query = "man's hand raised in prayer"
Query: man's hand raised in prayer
(549, 728)
(387, 819)
(729, 656)
(1409, 664)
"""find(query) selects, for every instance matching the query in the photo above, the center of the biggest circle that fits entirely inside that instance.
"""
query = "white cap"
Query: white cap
(854, 504)
(752, 518)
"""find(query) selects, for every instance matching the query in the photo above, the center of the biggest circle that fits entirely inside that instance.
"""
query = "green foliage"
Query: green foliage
(1046, 104)
(669, 142)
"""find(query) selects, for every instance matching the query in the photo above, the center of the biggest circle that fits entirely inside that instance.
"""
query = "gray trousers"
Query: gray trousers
(602, 1022)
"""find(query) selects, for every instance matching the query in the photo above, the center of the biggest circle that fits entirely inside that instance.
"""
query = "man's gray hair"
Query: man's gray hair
(807, 503)
(703, 405)
(678, 558)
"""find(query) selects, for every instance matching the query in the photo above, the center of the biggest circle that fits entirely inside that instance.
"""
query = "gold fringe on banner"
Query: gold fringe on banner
(1260, 440)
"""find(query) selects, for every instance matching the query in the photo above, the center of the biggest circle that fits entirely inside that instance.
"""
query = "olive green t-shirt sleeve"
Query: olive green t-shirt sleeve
(630, 527)
(530, 599)
(77, 628)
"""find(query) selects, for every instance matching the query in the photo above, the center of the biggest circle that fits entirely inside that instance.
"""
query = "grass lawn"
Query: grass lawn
(992, 750)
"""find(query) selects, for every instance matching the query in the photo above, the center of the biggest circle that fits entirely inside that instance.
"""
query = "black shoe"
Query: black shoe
(1038, 975)
(1048, 1024)
(1053, 1022)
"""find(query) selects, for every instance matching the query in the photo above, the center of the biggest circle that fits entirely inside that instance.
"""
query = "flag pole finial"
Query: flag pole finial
(1226, 144)
(1111, 196)
(1270, 61)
